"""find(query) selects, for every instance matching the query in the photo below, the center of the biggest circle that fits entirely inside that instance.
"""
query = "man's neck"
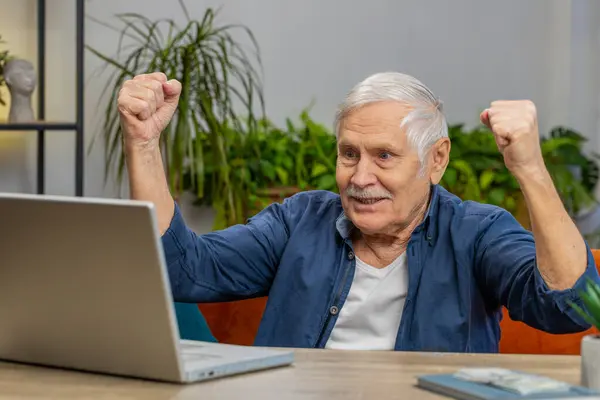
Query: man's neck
(382, 249)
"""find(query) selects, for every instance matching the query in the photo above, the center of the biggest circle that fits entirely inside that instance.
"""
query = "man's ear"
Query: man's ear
(439, 158)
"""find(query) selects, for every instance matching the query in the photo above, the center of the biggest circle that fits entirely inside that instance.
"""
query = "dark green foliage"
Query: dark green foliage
(477, 171)
(591, 302)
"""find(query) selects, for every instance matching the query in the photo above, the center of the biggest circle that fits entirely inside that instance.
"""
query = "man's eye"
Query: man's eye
(349, 154)
(385, 156)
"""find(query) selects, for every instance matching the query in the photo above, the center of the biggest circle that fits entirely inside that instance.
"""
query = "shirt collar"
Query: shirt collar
(345, 226)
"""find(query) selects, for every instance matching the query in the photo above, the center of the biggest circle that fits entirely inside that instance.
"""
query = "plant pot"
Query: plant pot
(590, 361)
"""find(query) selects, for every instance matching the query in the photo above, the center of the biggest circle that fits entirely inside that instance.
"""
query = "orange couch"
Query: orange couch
(237, 322)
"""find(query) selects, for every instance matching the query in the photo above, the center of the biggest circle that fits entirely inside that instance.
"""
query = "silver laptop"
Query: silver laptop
(83, 285)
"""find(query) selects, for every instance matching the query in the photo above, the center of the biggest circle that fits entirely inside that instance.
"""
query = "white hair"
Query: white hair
(424, 124)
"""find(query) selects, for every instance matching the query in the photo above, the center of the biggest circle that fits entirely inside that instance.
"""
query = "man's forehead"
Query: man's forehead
(382, 139)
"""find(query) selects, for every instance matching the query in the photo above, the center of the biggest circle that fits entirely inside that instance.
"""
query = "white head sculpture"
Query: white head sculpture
(21, 80)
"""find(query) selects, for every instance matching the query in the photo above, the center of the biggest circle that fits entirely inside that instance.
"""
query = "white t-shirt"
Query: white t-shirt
(370, 317)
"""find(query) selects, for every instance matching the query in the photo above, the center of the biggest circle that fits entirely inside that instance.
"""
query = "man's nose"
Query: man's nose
(363, 175)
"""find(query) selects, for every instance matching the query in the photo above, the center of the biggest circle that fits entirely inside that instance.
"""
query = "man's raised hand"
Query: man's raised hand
(146, 104)
(515, 128)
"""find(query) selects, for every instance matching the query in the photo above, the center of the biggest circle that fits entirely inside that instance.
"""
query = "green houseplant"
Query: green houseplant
(574, 173)
(302, 156)
(222, 92)
(477, 172)
(590, 298)
(270, 163)
(590, 344)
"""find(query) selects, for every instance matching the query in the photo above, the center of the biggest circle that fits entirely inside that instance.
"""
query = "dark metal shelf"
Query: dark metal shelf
(39, 125)
(42, 126)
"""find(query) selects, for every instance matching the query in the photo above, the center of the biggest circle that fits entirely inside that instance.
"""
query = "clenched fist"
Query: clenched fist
(146, 105)
(515, 128)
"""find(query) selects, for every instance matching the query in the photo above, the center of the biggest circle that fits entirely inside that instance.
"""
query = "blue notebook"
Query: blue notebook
(452, 386)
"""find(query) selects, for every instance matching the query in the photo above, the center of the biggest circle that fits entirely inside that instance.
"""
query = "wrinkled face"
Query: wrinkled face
(378, 172)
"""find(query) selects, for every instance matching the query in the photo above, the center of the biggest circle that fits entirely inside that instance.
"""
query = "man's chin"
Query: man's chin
(368, 224)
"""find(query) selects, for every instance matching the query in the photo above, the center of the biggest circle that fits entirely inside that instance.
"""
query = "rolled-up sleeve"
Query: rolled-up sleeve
(507, 270)
(231, 264)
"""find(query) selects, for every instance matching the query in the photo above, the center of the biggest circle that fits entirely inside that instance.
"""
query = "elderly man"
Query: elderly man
(393, 263)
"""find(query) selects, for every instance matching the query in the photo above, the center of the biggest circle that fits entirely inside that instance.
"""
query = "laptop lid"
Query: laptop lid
(83, 286)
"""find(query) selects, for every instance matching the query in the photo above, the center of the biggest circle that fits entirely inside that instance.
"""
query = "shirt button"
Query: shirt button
(350, 255)
(333, 310)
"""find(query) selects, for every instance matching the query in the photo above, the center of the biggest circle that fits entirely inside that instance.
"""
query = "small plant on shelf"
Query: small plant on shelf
(4, 57)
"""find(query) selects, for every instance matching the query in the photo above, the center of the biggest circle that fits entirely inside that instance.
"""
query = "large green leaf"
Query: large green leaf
(318, 169)
(450, 177)
(326, 182)
(486, 178)
(496, 196)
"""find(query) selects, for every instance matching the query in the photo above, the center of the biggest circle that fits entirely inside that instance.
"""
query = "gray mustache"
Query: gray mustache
(353, 191)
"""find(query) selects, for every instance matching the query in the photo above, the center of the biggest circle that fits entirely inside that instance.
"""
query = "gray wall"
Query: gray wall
(468, 51)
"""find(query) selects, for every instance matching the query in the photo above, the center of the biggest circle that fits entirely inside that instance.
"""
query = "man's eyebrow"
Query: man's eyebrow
(385, 146)
(389, 146)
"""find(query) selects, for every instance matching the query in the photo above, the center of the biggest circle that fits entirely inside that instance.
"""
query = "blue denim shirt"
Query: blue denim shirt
(465, 261)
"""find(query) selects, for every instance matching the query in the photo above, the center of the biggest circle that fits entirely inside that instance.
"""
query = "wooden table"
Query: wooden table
(316, 374)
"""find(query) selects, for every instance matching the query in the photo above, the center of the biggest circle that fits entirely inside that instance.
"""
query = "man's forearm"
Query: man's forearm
(560, 249)
(147, 181)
